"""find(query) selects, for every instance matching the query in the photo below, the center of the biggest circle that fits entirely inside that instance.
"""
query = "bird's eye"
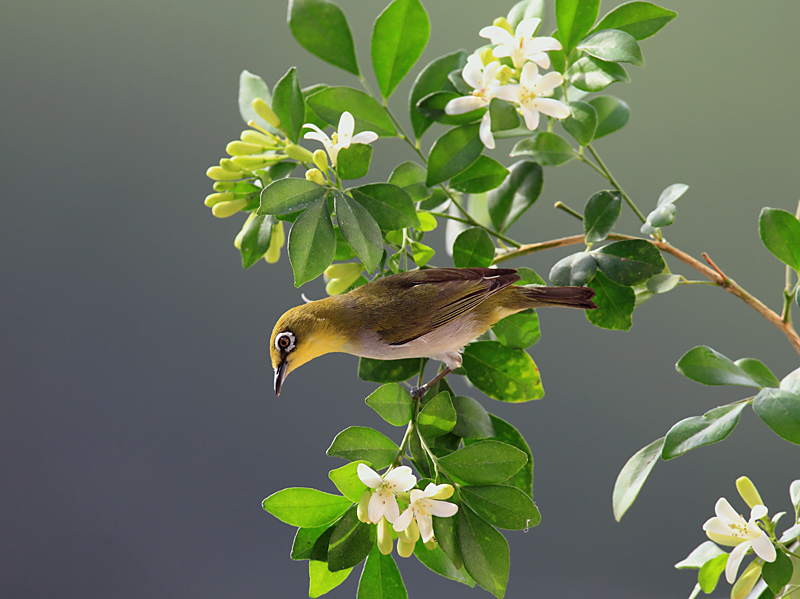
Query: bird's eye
(284, 341)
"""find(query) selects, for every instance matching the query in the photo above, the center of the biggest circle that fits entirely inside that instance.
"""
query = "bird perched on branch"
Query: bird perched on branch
(430, 313)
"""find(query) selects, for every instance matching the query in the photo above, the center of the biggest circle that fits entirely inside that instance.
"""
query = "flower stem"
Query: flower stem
(607, 174)
(568, 210)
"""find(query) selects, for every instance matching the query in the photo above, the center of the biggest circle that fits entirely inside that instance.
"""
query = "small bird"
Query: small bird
(431, 313)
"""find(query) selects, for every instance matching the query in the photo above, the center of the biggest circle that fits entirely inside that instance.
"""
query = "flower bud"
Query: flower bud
(444, 492)
(431, 545)
(405, 548)
(258, 138)
(346, 269)
(237, 242)
(229, 165)
(215, 198)
(320, 158)
(748, 492)
(487, 56)
(265, 112)
(315, 176)
(220, 174)
(504, 74)
(410, 534)
(362, 511)
(384, 537)
(224, 185)
(275, 244)
(226, 209)
(747, 580)
(241, 148)
(299, 153)
(503, 23)
(256, 161)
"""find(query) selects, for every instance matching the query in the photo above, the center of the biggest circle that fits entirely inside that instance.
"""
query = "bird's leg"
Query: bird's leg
(419, 392)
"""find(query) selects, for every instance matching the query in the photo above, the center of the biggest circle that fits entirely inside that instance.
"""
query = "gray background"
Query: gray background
(139, 431)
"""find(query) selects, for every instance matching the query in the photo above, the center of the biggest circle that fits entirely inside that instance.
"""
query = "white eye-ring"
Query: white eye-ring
(284, 342)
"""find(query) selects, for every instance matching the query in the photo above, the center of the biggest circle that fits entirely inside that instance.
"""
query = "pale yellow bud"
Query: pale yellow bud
(256, 137)
(275, 244)
(747, 580)
(362, 511)
(220, 174)
(405, 548)
(384, 537)
(748, 492)
(265, 112)
(224, 185)
(342, 270)
(299, 153)
(502, 22)
(257, 161)
(320, 158)
(487, 56)
(504, 74)
(241, 148)
(215, 198)
(237, 242)
(229, 165)
(431, 545)
(226, 209)
(444, 492)
(315, 176)
(410, 534)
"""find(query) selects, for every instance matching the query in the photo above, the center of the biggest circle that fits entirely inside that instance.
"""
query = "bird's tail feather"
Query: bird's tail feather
(568, 297)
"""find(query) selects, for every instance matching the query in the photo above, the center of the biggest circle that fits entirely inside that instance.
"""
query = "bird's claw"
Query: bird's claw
(418, 393)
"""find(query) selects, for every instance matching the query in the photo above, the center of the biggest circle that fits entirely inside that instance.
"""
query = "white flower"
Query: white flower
(383, 502)
(484, 82)
(342, 137)
(423, 507)
(729, 528)
(531, 94)
(522, 45)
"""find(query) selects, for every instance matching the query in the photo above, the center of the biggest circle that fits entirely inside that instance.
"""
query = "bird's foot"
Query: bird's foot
(418, 393)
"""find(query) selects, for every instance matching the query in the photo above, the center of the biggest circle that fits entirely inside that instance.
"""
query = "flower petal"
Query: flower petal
(531, 117)
(540, 44)
(540, 58)
(724, 511)
(365, 137)
(425, 524)
(550, 107)
(321, 137)
(346, 125)
(758, 512)
(726, 540)
(501, 51)
(527, 27)
(486, 131)
(392, 511)
(529, 75)
(472, 73)
(547, 82)
(443, 509)
(376, 508)
(464, 104)
(416, 495)
(764, 547)
(497, 35)
(400, 479)
(717, 526)
(734, 559)
(403, 520)
(509, 93)
(368, 476)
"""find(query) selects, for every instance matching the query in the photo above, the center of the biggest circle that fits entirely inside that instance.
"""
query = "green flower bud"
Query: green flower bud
(431, 545)
(504, 74)
(344, 270)
(384, 537)
(265, 112)
(258, 138)
(747, 580)
(299, 153)
(257, 161)
(748, 492)
(220, 174)
(445, 492)
(241, 148)
(275, 244)
(405, 548)
(410, 534)
(215, 198)
(487, 56)
(315, 176)
(502, 22)
(223, 186)
(229, 165)
(237, 242)
(362, 510)
(226, 209)
(320, 158)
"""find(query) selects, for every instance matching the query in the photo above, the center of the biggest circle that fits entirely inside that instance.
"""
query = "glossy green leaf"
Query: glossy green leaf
(612, 114)
(704, 365)
(525, 9)
(661, 283)
(632, 476)
(438, 416)
(502, 506)
(353, 162)
(434, 105)
(380, 578)
(288, 104)
(515, 195)
(613, 45)
(251, 87)
(709, 573)
(505, 432)
(331, 102)
(574, 19)
(778, 573)
(473, 248)
(431, 79)
(346, 480)
(444, 529)
(487, 462)
(484, 175)
(576, 269)
(343, 251)
(791, 382)
(306, 508)
(321, 28)
(591, 74)
(390, 206)
(399, 36)
(286, 196)
(312, 243)
(453, 153)
(528, 276)
(503, 115)
(410, 177)
(581, 122)
(363, 443)
(780, 410)
(392, 403)
(484, 551)
(359, 229)
(436, 560)
(520, 330)
(257, 234)
(711, 427)
(311, 116)
(601, 214)
(419, 457)
(306, 538)
(629, 262)
(472, 420)
(700, 555)
(321, 580)
(758, 371)
(546, 148)
(639, 19)
(351, 542)
(421, 253)
(388, 371)
(615, 304)
(780, 233)
(503, 373)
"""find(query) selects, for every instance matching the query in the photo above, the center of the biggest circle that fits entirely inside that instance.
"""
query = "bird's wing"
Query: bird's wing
(432, 298)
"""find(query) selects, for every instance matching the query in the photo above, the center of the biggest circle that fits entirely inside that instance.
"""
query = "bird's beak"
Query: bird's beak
(280, 374)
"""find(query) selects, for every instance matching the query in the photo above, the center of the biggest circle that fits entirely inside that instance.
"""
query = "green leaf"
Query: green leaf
(528, 276)
(420, 457)
(321, 28)
(433, 106)
(629, 262)
(312, 243)
(306, 538)
(286, 196)
(311, 116)
(486, 462)
(709, 573)
(758, 371)
(525, 9)
(484, 175)
(399, 36)
(780, 233)
(520, 330)
(661, 283)
(353, 162)
(306, 508)
(321, 580)
(437, 417)
(472, 420)
(574, 19)
(581, 123)
(615, 304)
(632, 476)
(346, 480)
(576, 269)
(410, 177)
(350, 543)
(601, 214)
(359, 229)
(251, 87)
(502, 506)
(473, 248)
(778, 573)
(331, 102)
(546, 148)
(392, 403)
(453, 153)
(704, 365)
(697, 431)
(256, 236)
(421, 253)
(613, 45)
(436, 559)
(388, 371)
(506, 433)
(484, 551)
(639, 19)
(380, 578)
(791, 382)
(612, 114)
(591, 74)
(288, 104)
(780, 410)
(671, 194)
(503, 115)
(444, 529)
(431, 79)
(363, 443)
(390, 206)
(700, 555)
(501, 372)
(515, 195)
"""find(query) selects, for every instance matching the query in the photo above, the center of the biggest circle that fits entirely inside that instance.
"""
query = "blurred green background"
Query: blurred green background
(139, 431)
